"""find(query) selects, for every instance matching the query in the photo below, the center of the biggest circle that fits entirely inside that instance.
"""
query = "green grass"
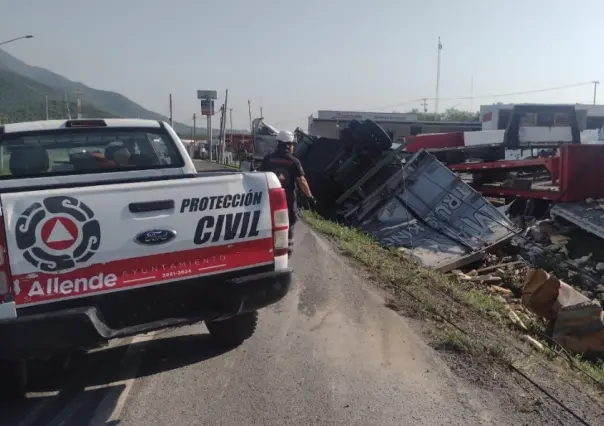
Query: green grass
(456, 341)
(467, 316)
(397, 271)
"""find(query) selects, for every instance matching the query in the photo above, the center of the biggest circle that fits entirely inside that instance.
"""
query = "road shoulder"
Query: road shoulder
(473, 333)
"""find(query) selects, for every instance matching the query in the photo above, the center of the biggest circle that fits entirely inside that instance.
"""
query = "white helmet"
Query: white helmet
(286, 136)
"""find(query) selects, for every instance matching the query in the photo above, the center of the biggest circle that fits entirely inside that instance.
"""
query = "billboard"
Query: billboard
(207, 107)
(207, 94)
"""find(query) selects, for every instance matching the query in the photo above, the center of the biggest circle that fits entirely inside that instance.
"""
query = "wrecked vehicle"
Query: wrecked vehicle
(264, 141)
(96, 246)
(413, 203)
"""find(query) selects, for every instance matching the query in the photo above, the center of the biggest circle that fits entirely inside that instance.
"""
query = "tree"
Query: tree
(452, 114)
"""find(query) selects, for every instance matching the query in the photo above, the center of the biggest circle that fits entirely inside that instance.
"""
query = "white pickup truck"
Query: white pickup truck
(108, 231)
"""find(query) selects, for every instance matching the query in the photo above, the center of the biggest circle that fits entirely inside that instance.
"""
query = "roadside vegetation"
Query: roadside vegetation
(23, 99)
(475, 328)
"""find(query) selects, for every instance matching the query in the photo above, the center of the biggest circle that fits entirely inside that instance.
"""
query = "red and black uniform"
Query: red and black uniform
(288, 169)
(103, 161)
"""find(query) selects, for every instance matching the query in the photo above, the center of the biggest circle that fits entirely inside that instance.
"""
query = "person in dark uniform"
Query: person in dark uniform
(290, 173)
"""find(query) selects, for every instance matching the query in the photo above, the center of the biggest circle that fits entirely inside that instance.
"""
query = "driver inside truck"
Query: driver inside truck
(290, 173)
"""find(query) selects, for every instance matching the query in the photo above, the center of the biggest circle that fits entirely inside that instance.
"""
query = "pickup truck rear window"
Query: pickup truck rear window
(83, 151)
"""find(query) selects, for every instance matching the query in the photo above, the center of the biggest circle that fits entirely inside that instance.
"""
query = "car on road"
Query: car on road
(109, 231)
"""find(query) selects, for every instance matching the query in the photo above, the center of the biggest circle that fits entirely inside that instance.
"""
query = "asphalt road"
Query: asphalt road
(330, 353)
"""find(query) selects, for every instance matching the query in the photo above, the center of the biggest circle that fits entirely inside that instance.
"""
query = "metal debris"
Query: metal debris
(420, 207)
(577, 322)
(416, 202)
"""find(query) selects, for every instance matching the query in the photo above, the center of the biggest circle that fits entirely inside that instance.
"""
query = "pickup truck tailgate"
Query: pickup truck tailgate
(74, 242)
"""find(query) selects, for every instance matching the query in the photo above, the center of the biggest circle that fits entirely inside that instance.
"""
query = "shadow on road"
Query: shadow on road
(171, 353)
(102, 371)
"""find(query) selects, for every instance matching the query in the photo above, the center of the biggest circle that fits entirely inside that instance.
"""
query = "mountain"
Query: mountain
(112, 103)
(23, 99)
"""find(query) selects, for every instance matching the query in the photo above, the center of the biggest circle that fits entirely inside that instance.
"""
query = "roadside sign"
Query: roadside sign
(207, 107)
(207, 94)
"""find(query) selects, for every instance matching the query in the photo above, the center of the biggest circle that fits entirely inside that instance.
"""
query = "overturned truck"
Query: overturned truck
(413, 203)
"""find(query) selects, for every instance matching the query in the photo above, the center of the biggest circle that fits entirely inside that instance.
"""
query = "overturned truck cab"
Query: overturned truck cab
(415, 203)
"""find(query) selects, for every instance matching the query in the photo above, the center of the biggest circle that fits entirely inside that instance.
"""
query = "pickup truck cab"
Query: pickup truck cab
(107, 230)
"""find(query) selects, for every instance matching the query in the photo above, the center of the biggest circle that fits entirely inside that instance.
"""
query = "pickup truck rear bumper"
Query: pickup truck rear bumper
(51, 332)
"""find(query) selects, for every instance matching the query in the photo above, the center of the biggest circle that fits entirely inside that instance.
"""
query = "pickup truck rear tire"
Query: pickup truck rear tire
(13, 378)
(232, 332)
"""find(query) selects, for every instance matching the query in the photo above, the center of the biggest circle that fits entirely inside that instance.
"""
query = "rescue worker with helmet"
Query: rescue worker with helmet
(290, 173)
(116, 155)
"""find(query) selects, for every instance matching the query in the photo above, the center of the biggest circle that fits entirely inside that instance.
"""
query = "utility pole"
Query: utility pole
(221, 134)
(209, 135)
(440, 48)
(231, 137)
(472, 94)
(425, 105)
(194, 126)
(223, 141)
(78, 104)
(46, 104)
(231, 120)
(67, 104)
(595, 89)
(249, 110)
(171, 123)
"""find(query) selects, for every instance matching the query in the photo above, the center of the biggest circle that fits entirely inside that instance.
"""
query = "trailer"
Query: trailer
(532, 128)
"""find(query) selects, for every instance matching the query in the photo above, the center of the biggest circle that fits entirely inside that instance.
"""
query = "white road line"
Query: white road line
(130, 362)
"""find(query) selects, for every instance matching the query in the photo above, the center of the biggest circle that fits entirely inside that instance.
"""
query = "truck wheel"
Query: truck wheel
(231, 332)
(13, 378)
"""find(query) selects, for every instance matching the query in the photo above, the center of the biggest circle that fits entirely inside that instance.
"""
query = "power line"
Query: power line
(423, 100)
(549, 89)
(524, 92)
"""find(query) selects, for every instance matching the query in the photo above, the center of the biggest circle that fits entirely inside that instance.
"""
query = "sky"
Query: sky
(294, 58)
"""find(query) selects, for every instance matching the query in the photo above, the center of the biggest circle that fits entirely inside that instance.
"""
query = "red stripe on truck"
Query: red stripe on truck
(124, 274)
(434, 141)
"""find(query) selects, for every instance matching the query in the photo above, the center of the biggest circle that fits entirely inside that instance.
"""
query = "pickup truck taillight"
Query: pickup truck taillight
(5, 278)
(280, 220)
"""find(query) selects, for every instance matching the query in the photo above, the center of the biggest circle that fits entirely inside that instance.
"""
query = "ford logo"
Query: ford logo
(155, 237)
